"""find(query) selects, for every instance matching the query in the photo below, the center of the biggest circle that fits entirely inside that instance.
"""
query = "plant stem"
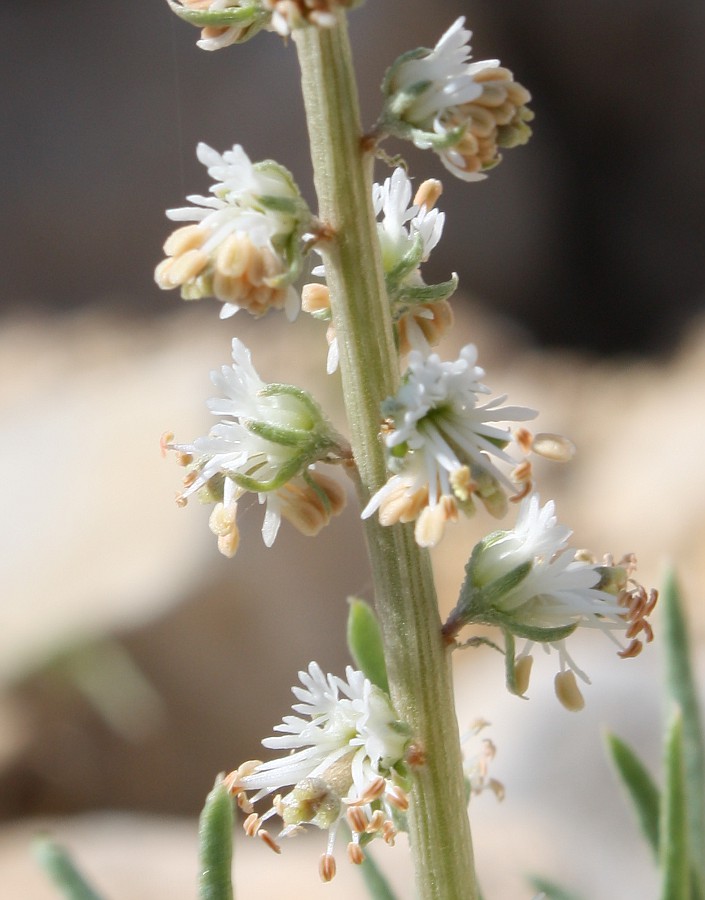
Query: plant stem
(418, 664)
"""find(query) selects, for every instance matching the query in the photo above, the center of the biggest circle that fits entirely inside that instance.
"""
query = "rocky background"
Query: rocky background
(135, 663)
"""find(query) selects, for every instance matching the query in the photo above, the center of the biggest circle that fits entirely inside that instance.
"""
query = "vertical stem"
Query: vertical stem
(417, 662)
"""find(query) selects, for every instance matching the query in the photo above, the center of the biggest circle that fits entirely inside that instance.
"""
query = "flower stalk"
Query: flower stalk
(417, 661)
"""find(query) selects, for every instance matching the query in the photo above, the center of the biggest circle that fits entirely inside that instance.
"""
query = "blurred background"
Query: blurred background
(135, 663)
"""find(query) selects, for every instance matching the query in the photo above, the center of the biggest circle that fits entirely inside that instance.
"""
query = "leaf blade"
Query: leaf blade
(365, 642)
(640, 786)
(215, 844)
(61, 869)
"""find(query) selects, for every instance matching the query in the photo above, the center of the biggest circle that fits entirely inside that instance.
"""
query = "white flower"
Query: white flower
(267, 441)
(529, 583)
(464, 111)
(445, 73)
(342, 756)
(244, 249)
(558, 590)
(441, 442)
(402, 224)
(407, 231)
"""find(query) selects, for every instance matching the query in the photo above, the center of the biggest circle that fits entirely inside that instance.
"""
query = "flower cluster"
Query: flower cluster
(463, 111)
(344, 758)
(441, 444)
(246, 248)
(407, 231)
(527, 582)
(267, 442)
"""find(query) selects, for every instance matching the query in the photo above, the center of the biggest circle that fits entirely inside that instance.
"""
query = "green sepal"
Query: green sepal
(409, 262)
(406, 296)
(641, 788)
(61, 869)
(285, 473)
(476, 604)
(365, 642)
(272, 167)
(492, 593)
(246, 14)
(279, 434)
(318, 490)
(430, 140)
(673, 832)
(510, 664)
(537, 633)
(424, 140)
(418, 53)
(290, 206)
(215, 843)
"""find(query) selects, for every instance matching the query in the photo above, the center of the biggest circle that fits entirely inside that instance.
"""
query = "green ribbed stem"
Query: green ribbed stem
(417, 662)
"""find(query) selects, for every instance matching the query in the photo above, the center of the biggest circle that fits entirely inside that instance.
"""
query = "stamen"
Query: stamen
(269, 840)
(164, 441)
(355, 854)
(372, 792)
(634, 649)
(522, 476)
(555, 447)
(397, 797)
(244, 803)
(376, 822)
(568, 692)
(252, 824)
(357, 819)
(389, 832)
(190, 479)
(524, 438)
(326, 867)
(428, 193)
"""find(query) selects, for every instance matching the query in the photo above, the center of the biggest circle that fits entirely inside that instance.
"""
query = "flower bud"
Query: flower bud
(223, 22)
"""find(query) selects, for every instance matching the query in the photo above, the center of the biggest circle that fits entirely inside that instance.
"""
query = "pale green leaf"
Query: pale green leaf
(59, 866)
(640, 786)
(215, 838)
(365, 642)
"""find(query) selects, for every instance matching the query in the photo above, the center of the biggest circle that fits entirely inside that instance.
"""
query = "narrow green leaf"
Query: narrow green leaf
(681, 687)
(365, 642)
(215, 837)
(673, 839)
(59, 866)
(640, 786)
(375, 882)
(552, 890)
